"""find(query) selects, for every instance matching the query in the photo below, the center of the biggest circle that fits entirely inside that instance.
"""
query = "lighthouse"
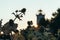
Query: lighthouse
(40, 17)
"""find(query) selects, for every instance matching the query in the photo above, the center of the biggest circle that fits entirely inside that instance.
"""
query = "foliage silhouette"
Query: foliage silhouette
(55, 23)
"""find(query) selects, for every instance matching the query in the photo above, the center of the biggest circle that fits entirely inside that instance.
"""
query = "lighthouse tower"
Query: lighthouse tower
(40, 17)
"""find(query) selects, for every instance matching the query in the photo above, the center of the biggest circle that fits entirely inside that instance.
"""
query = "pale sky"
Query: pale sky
(32, 6)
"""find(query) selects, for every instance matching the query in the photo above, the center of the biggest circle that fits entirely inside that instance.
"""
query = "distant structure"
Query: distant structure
(40, 16)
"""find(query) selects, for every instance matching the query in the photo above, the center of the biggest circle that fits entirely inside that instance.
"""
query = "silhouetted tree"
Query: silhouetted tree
(11, 22)
(0, 23)
(29, 24)
(55, 23)
(22, 12)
